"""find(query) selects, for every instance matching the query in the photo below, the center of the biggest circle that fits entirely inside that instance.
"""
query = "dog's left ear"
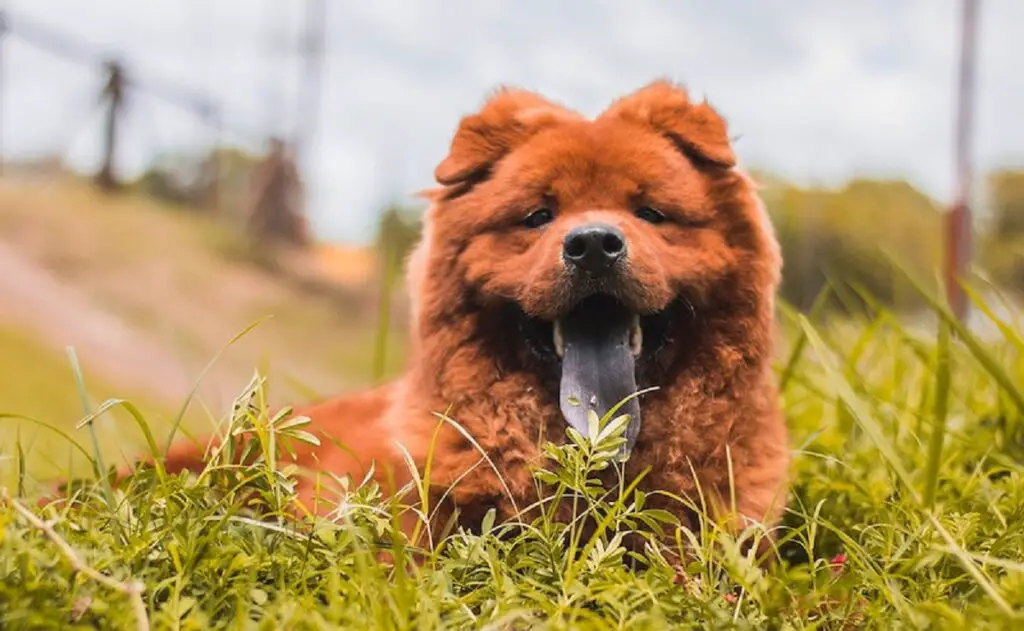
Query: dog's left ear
(695, 128)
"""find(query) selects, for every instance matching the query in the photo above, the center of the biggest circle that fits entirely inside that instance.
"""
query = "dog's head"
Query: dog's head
(611, 242)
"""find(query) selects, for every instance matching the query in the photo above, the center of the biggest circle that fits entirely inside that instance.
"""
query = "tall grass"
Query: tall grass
(391, 267)
(907, 511)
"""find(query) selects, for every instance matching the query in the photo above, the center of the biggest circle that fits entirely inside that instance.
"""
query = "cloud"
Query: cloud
(818, 91)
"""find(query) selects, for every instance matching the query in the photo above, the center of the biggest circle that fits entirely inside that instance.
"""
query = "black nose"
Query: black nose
(594, 247)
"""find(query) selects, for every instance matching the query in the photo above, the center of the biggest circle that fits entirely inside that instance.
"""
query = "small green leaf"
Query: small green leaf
(488, 521)
(663, 516)
(576, 437)
(305, 437)
(614, 427)
(296, 421)
(593, 425)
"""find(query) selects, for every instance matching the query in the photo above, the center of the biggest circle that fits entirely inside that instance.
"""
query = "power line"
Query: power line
(77, 50)
(58, 43)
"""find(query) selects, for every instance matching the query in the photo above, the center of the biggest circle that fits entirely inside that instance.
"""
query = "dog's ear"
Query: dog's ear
(695, 128)
(507, 120)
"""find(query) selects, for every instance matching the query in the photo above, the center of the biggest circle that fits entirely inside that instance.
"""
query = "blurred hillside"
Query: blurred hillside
(147, 293)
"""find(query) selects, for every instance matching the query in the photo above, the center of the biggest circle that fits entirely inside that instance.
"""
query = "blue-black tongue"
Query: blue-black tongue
(598, 367)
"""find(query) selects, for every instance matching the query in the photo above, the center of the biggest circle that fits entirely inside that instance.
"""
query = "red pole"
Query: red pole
(958, 236)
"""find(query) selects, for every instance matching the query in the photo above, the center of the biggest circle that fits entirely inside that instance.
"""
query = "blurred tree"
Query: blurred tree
(1007, 203)
(1002, 251)
(277, 206)
(217, 181)
(846, 233)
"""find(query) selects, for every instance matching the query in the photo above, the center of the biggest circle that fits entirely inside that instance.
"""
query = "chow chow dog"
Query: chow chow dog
(565, 264)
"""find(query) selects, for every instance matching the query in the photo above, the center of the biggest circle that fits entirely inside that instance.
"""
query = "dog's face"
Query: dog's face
(605, 235)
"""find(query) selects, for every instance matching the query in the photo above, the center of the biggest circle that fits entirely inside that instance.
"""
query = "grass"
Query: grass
(40, 381)
(907, 511)
(38, 386)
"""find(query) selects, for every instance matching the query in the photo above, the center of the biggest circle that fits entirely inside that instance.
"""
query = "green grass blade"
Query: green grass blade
(202, 375)
(817, 307)
(99, 466)
(1008, 331)
(56, 430)
(977, 349)
(968, 564)
(857, 408)
(942, 385)
(140, 420)
(380, 346)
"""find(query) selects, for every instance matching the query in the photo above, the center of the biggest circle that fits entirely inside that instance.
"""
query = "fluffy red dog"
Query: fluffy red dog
(566, 259)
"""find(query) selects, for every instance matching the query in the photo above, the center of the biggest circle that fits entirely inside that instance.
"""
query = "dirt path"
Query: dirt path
(33, 299)
(148, 295)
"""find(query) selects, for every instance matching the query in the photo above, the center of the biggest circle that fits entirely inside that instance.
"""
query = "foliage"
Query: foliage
(1002, 243)
(37, 383)
(907, 511)
(1006, 193)
(398, 230)
(846, 235)
(214, 180)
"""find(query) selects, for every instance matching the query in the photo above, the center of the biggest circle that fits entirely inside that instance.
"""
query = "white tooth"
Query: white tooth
(636, 337)
(559, 342)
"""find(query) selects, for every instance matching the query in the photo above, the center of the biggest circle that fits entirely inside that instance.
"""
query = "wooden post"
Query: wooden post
(958, 232)
(212, 197)
(113, 92)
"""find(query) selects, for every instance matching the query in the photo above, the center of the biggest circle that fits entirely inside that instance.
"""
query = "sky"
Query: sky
(818, 92)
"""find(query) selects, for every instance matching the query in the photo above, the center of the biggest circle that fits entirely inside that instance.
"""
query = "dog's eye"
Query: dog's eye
(650, 214)
(538, 218)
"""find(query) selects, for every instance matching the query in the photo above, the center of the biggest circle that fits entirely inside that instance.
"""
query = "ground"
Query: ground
(147, 295)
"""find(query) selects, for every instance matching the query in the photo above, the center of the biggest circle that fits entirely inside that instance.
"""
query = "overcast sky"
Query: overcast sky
(819, 91)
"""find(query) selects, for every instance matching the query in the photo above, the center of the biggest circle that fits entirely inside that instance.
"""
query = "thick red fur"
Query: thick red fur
(716, 252)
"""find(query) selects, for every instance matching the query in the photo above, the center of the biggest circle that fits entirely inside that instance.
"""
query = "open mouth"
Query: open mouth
(636, 337)
(601, 348)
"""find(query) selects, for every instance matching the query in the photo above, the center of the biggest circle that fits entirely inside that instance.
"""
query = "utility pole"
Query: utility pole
(313, 45)
(213, 169)
(273, 83)
(958, 234)
(113, 92)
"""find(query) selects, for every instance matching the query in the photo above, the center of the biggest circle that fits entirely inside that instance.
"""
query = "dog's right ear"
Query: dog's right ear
(509, 118)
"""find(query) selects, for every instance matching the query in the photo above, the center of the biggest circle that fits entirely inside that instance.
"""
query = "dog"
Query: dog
(566, 264)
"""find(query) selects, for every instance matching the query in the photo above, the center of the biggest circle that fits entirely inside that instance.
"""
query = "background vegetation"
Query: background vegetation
(908, 443)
